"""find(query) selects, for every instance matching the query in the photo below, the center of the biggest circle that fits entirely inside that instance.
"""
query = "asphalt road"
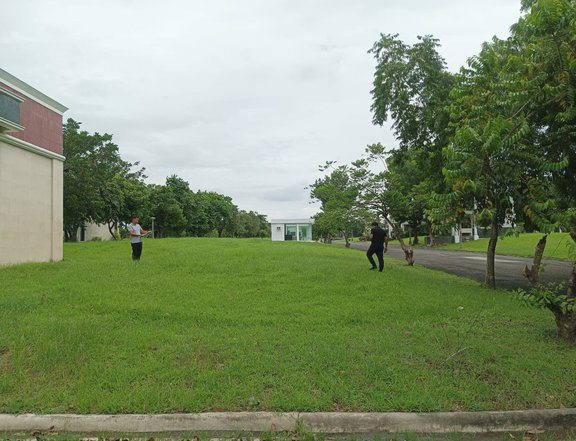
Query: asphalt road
(509, 269)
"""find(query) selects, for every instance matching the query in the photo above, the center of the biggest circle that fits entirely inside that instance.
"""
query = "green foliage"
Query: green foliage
(341, 221)
(412, 87)
(336, 190)
(165, 207)
(100, 187)
(551, 296)
(181, 212)
(251, 224)
(96, 179)
(337, 193)
(215, 212)
(546, 37)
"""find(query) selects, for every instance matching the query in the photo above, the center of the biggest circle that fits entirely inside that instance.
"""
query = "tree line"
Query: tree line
(100, 187)
(496, 139)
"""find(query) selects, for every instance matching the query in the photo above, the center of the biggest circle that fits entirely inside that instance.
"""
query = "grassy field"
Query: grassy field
(217, 324)
(523, 245)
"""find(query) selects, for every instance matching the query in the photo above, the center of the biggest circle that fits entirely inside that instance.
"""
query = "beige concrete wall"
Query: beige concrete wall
(95, 230)
(31, 206)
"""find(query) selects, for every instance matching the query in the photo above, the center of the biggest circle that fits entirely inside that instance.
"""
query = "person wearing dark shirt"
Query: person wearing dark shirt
(378, 246)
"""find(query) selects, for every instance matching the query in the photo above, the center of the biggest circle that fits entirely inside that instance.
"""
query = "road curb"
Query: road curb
(322, 422)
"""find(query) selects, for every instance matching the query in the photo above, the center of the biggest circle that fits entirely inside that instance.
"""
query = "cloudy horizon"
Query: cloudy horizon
(243, 98)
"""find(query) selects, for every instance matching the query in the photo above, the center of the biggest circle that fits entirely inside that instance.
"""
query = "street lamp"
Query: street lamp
(152, 218)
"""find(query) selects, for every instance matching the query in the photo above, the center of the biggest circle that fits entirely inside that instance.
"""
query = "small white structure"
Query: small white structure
(467, 230)
(93, 231)
(292, 229)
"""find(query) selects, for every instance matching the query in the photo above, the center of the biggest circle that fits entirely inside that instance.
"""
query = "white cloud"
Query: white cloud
(245, 98)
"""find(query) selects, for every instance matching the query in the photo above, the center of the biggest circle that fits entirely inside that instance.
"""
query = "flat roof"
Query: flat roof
(31, 92)
(292, 221)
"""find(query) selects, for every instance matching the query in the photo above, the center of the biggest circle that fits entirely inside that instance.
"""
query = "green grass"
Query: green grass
(229, 325)
(523, 245)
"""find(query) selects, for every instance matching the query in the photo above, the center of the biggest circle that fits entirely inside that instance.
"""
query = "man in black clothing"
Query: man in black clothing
(378, 246)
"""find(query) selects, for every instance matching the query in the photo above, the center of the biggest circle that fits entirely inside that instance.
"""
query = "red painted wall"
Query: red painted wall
(42, 126)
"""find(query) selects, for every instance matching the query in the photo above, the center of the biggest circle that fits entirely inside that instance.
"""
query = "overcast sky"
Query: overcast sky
(245, 98)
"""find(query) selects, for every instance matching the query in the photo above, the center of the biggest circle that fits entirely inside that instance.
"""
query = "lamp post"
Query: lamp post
(152, 218)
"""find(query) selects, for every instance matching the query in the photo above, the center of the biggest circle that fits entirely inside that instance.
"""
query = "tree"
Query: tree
(185, 197)
(214, 212)
(376, 195)
(337, 194)
(94, 179)
(546, 36)
(340, 221)
(490, 158)
(509, 108)
(137, 200)
(251, 224)
(170, 219)
(412, 87)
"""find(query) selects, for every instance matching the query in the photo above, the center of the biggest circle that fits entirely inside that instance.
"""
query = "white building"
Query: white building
(93, 231)
(31, 174)
(292, 229)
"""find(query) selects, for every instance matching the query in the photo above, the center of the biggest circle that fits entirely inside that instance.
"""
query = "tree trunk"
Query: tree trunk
(414, 233)
(566, 325)
(566, 321)
(71, 234)
(347, 240)
(490, 280)
(408, 252)
(111, 228)
(431, 234)
(533, 272)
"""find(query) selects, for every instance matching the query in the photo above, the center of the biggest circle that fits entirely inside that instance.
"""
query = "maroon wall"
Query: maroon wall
(42, 126)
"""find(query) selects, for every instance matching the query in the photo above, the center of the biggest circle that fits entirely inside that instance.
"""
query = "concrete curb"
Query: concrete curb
(325, 422)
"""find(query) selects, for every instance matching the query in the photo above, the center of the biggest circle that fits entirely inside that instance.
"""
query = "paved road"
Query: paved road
(509, 269)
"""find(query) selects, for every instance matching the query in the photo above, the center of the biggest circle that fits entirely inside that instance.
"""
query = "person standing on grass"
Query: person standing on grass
(378, 245)
(135, 233)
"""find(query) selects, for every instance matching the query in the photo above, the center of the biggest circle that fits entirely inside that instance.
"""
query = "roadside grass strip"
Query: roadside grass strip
(523, 245)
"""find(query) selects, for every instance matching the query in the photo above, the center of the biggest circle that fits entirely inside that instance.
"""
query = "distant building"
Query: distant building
(31, 174)
(93, 231)
(292, 229)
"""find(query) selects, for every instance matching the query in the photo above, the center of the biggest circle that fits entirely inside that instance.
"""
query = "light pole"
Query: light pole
(152, 218)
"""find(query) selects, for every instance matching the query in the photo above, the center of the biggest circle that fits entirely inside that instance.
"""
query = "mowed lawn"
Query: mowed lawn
(523, 245)
(251, 325)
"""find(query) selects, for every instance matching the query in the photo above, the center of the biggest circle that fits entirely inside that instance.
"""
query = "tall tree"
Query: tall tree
(376, 196)
(490, 155)
(251, 224)
(412, 88)
(169, 216)
(214, 213)
(546, 36)
(337, 194)
(94, 178)
(185, 197)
